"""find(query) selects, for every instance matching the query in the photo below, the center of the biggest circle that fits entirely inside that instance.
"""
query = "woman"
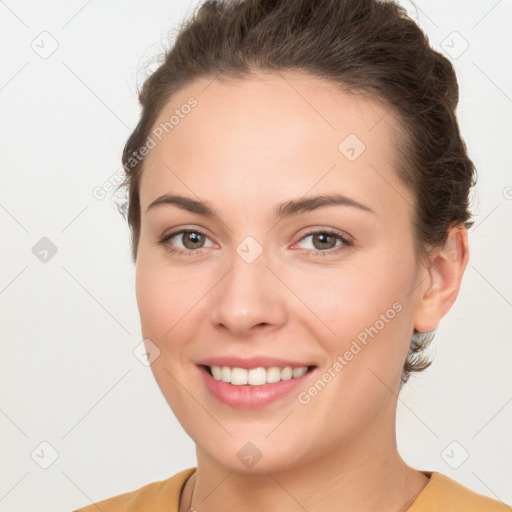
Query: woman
(298, 200)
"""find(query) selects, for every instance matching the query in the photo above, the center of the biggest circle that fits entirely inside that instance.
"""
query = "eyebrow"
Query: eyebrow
(287, 209)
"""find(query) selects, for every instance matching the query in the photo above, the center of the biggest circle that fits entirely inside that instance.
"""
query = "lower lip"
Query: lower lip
(251, 397)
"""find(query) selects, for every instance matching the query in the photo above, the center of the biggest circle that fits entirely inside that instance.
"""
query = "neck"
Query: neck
(377, 479)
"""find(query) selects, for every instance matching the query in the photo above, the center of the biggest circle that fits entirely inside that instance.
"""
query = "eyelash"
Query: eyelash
(309, 252)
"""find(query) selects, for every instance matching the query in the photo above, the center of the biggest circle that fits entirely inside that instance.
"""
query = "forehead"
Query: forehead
(270, 134)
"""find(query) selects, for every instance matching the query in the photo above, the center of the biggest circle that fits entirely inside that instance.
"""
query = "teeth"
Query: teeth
(256, 376)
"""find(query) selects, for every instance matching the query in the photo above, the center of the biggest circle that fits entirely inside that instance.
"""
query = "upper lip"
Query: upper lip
(251, 362)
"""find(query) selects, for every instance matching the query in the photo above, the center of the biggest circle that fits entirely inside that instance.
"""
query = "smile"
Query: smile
(253, 388)
(255, 376)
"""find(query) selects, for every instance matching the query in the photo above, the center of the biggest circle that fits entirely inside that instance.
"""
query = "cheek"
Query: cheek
(347, 299)
(362, 311)
(164, 301)
(172, 303)
(162, 298)
(152, 300)
(363, 329)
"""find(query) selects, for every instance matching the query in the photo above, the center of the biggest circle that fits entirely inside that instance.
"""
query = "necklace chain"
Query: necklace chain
(190, 507)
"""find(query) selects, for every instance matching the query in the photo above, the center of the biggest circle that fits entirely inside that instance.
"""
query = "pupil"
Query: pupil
(323, 236)
(195, 238)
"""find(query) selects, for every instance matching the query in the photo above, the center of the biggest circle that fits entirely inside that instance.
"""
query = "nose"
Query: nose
(248, 299)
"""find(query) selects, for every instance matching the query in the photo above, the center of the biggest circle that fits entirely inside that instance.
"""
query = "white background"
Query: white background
(69, 326)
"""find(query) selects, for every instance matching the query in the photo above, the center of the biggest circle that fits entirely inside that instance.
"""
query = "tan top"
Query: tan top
(441, 494)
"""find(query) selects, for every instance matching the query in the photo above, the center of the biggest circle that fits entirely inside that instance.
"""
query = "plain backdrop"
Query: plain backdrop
(81, 418)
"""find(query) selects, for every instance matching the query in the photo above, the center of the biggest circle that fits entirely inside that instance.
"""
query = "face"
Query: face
(330, 285)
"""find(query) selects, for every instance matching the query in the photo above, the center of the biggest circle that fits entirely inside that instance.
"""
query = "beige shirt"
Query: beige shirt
(441, 494)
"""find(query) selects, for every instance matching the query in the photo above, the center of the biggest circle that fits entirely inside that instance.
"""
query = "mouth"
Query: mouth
(256, 376)
(254, 388)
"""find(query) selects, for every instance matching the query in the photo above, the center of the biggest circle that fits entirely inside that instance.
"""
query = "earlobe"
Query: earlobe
(443, 278)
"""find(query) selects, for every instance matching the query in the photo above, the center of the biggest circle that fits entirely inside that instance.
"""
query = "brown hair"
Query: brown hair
(368, 47)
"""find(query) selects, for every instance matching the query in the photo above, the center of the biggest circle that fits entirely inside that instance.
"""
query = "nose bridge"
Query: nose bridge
(248, 294)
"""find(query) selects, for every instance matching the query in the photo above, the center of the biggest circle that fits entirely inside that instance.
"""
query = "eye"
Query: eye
(192, 241)
(326, 242)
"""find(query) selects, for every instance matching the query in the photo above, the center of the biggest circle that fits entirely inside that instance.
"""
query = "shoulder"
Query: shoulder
(443, 494)
(154, 497)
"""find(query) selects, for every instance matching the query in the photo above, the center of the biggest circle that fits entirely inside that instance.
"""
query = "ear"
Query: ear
(441, 282)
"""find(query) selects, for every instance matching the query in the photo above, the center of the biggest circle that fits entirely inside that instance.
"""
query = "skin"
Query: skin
(248, 146)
